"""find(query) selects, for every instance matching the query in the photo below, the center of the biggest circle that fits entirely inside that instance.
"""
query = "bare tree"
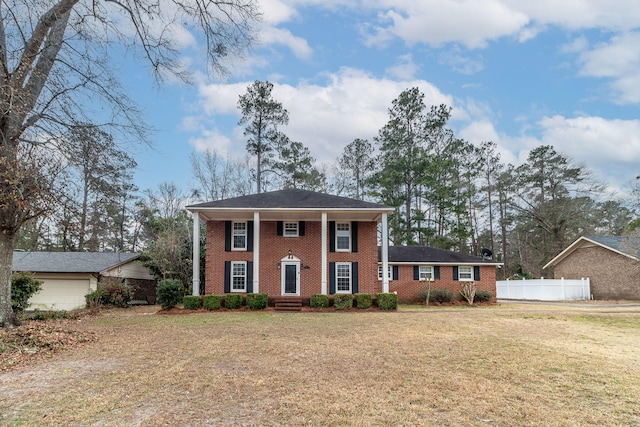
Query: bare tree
(57, 69)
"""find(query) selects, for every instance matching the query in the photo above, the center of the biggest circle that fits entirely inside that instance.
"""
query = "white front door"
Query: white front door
(290, 277)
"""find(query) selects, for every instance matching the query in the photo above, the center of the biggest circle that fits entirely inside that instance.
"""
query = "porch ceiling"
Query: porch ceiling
(221, 214)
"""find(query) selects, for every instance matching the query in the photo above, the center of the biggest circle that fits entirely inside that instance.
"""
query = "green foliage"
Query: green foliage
(169, 293)
(23, 287)
(257, 301)
(53, 314)
(319, 301)
(342, 301)
(233, 301)
(212, 302)
(363, 300)
(115, 293)
(94, 299)
(483, 296)
(387, 301)
(437, 295)
(192, 302)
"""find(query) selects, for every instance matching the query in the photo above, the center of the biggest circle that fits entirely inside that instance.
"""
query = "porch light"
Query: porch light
(290, 254)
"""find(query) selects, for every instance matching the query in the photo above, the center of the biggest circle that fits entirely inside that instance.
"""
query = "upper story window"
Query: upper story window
(465, 273)
(291, 229)
(343, 236)
(426, 272)
(239, 236)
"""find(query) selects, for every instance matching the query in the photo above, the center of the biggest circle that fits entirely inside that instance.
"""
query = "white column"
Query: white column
(256, 252)
(196, 253)
(385, 254)
(323, 255)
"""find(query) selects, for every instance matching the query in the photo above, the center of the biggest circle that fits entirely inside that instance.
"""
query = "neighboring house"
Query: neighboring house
(612, 264)
(68, 276)
(298, 243)
(411, 267)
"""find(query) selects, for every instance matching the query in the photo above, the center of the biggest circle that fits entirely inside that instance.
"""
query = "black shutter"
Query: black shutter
(227, 236)
(249, 276)
(416, 272)
(436, 273)
(395, 272)
(354, 236)
(455, 273)
(227, 277)
(279, 228)
(354, 277)
(332, 236)
(301, 228)
(476, 272)
(332, 278)
(250, 236)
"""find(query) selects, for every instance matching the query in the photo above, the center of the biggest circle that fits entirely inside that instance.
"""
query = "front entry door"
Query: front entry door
(291, 278)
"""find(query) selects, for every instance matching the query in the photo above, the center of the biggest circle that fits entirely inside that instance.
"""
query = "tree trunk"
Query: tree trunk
(7, 315)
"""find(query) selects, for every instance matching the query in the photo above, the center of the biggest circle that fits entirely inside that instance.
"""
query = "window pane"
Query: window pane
(291, 229)
(465, 273)
(426, 272)
(239, 235)
(343, 277)
(238, 276)
(343, 236)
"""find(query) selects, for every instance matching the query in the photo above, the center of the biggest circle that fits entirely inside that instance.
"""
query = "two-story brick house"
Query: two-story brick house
(297, 243)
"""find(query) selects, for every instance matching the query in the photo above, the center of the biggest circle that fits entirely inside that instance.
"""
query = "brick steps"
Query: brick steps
(288, 304)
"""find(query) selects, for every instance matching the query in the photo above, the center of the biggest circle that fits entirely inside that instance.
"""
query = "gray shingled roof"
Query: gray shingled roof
(629, 245)
(291, 198)
(69, 262)
(427, 254)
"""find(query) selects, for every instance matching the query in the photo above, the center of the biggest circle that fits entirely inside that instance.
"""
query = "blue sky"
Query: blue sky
(522, 75)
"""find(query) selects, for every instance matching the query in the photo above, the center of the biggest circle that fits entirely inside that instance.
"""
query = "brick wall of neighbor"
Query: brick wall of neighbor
(612, 276)
(408, 289)
(307, 248)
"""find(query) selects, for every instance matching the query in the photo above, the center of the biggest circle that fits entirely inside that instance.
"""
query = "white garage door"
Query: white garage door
(60, 294)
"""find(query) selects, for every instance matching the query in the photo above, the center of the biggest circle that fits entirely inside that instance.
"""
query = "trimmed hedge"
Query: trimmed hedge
(363, 301)
(192, 302)
(387, 301)
(441, 296)
(319, 301)
(233, 301)
(257, 301)
(212, 302)
(342, 301)
(483, 296)
(169, 293)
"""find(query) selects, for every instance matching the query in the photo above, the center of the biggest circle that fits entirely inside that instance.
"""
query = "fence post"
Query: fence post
(564, 294)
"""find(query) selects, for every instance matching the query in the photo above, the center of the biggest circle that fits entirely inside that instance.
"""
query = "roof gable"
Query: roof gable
(427, 254)
(69, 262)
(627, 246)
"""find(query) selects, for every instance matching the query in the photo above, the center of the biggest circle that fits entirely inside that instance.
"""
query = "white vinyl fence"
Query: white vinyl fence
(544, 289)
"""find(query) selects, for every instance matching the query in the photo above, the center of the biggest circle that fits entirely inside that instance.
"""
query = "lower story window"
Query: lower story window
(343, 278)
(238, 276)
(426, 272)
(389, 275)
(465, 273)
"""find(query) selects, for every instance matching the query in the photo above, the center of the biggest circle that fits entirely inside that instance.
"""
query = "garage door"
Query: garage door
(60, 294)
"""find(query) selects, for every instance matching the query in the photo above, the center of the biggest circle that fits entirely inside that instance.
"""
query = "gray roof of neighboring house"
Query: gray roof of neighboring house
(629, 245)
(291, 198)
(69, 262)
(427, 254)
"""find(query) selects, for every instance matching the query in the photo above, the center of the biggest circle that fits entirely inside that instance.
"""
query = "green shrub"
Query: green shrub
(342, 301)
(257, 301)
(441, 296)
(212, 302)
(233, 301)
(54, 314)
(94, 299)
(319, 301)
(363, 300)
(169, 293)
(192, 302)
(115, 292)
(483, 296)
(387, 301)
(23, 287)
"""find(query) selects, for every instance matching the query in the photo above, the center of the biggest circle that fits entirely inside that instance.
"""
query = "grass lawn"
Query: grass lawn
(502, 366)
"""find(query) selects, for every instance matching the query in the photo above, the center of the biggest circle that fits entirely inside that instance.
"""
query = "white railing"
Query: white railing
(544, 289)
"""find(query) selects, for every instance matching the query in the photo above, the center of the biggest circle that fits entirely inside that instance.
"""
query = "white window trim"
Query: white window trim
(284, 229)
(233, 235)
(389, 272)
(429, 269)
(348, 249)
(470, 271)
(233, 264)
(350, 290)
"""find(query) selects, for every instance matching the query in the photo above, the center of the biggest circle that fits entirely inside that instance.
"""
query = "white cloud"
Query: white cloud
(405, 69)
(297, 45)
